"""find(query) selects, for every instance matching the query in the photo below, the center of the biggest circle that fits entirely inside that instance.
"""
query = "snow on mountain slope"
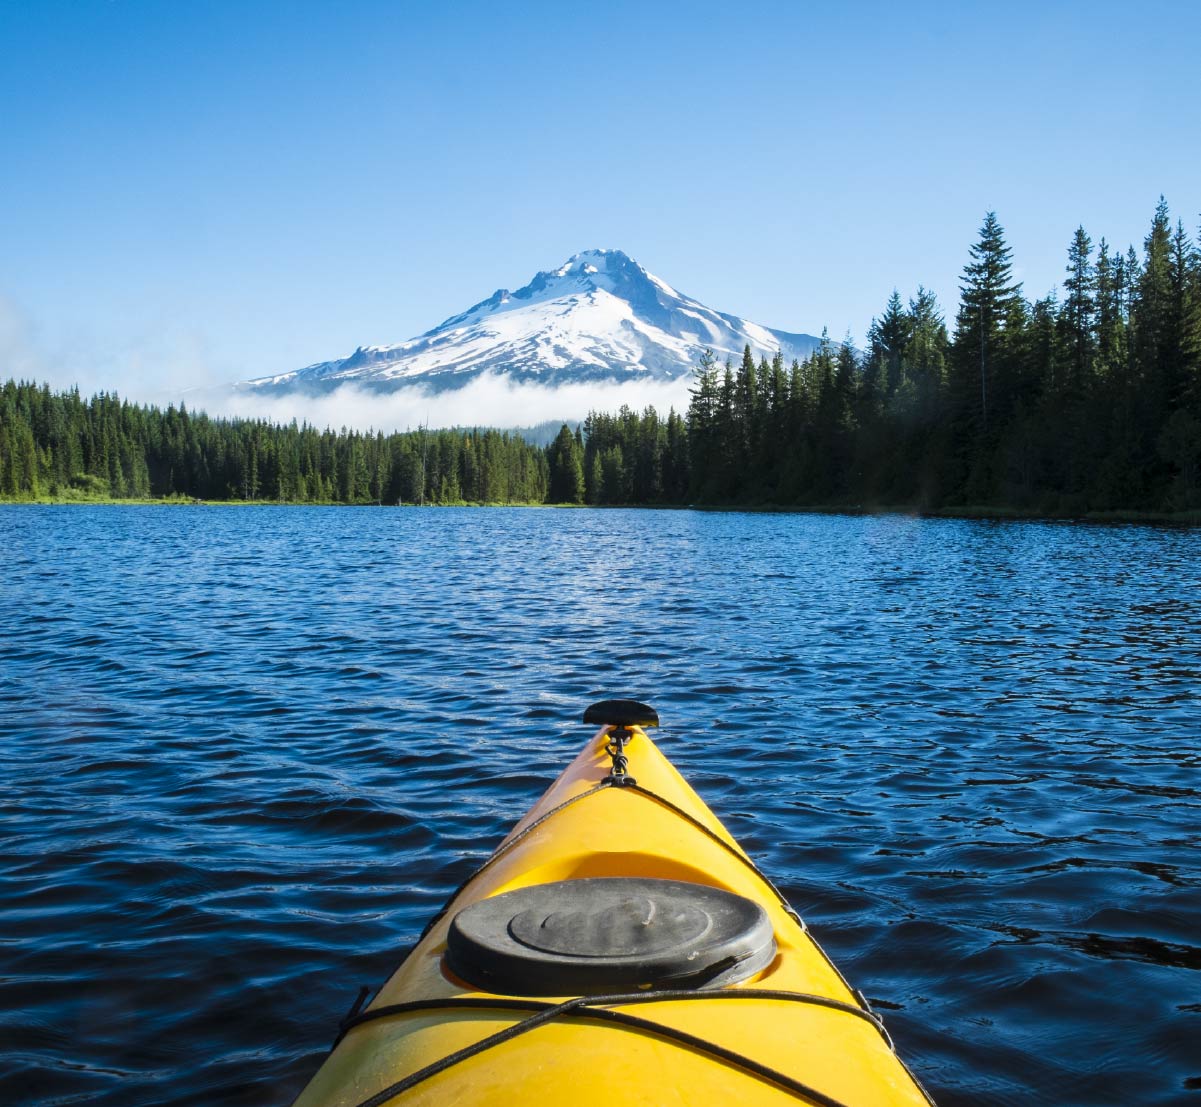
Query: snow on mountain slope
(600, 316)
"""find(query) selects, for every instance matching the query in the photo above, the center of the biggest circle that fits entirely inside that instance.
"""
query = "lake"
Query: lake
(247, 752)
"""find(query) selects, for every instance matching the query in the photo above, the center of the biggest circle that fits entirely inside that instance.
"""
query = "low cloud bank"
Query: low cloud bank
(490, 400)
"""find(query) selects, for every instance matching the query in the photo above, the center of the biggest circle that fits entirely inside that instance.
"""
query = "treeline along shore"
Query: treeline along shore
(1089, 402)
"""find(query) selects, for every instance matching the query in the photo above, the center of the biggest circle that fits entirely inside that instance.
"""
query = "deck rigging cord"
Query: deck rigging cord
(588, 1007)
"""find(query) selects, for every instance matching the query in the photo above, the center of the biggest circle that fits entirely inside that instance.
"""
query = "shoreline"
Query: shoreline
(983, 513)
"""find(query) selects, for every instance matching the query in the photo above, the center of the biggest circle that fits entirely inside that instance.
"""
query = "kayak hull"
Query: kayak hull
(588, 826)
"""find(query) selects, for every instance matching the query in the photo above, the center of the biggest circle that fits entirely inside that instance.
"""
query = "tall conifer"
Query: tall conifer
(1079, 310)
(990, 305)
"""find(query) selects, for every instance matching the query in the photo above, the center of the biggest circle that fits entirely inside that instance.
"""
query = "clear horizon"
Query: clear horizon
(202, 193)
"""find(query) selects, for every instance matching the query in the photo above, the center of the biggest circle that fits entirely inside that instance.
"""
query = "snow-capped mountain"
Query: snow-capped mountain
(600, 316)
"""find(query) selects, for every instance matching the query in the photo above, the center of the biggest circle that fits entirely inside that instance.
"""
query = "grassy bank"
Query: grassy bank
(73, 496)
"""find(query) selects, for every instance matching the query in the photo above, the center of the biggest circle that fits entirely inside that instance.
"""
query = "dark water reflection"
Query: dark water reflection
(246, 753)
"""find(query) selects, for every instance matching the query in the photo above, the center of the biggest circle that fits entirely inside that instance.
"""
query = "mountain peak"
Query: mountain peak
(597, 259)
(598, 316)
(612, 271)
(587, 262)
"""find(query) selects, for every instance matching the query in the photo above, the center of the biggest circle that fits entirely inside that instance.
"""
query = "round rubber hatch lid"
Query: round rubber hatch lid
(608, 934)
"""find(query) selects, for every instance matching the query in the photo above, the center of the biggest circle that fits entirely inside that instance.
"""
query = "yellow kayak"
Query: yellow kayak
(619, 947)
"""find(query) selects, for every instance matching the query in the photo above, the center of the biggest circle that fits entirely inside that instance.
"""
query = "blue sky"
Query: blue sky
(196, 192)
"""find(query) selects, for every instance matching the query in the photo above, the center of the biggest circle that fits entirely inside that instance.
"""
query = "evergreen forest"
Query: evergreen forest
(1064, 405)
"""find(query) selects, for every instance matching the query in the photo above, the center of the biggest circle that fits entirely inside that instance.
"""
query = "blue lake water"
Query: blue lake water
(246, 753)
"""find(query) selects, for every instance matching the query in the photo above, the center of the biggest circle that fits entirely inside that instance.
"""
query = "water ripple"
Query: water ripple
(248, 752)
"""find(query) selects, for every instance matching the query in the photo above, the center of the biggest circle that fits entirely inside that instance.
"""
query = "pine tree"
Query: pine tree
(991, 305)
(565, 459)
(829, 424)
(986, 379)
(703, 423)
(927, 351)
(26, 462)
(675, 459)
(1153, 309)
(1079, 313)
(1110, 315)
(1184, 354)
(613, 475)
(892, 336)
(725, 475)
(746, 404)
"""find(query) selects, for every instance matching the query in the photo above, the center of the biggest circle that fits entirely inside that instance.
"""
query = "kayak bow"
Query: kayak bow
(619, 947)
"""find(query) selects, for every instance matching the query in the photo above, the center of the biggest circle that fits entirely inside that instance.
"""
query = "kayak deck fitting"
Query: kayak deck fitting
(619, 947)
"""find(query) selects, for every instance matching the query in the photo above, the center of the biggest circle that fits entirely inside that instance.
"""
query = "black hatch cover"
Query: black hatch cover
(608, 934)
(621, 713)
